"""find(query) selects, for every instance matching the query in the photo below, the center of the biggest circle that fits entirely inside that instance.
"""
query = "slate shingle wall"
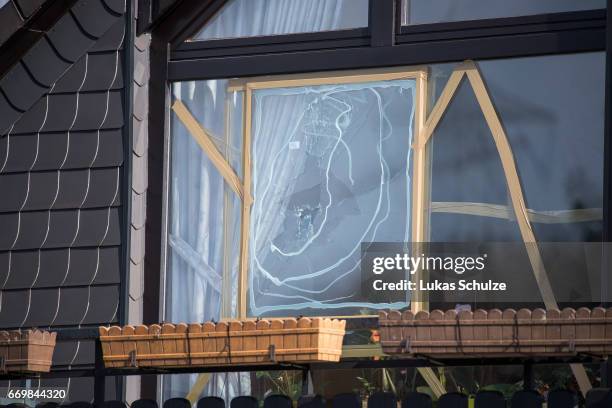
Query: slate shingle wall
(14, 14)
(62, 140)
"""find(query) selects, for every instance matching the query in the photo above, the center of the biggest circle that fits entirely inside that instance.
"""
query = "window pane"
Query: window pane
(203, 237)
(437, 11)
(251, 18)
(551, 108)
(466, 169)
(330, 171)
(204, 212)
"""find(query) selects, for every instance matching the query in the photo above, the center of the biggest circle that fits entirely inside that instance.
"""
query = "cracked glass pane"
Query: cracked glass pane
(331, 169)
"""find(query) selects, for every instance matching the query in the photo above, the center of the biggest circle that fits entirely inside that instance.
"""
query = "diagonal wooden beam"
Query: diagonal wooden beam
(519, 207)
(432, 380)
(514, 185)
(206, 143)
(518, 201)
(198, 387)
(439, 109)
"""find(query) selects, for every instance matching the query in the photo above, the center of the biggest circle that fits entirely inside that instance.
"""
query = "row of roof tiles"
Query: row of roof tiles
(65, 189)
(60, 228)
(74, 112)
(74, 34)
(59, 306)
(62, 267)
(93, 72)
(14, 14)
(64, 150)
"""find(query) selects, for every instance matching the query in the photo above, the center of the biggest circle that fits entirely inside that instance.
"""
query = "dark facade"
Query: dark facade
(85, 118)
(64, 144)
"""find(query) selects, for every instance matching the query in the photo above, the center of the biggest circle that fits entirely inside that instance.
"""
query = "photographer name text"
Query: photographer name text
(439, 286)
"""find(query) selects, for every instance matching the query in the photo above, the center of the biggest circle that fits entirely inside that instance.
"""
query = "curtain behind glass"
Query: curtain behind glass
(330, 171)
(204, 219)
(250, 18)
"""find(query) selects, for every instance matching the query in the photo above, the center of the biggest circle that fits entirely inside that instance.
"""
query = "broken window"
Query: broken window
(331, 169)
(277, 181)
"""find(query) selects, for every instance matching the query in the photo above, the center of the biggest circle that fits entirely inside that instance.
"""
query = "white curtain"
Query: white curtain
(199, 216)
(250, 18)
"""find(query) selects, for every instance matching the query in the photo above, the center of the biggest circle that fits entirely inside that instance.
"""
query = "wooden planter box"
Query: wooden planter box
(223, 343)
(26, 351)
(497, 333)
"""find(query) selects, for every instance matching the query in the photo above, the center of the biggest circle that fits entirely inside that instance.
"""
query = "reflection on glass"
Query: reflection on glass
(330, 170)
(551, 108)
(438, 11)
(251, 18)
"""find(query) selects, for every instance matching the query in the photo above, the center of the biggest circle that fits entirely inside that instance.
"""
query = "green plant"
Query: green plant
(282, 382)
(507, 389)
(367, 388)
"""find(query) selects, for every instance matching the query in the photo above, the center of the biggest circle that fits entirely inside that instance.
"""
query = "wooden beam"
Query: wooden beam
(514, 184)
(246, 206)
(433, 381)
(326, 78)
(419, 193)
(518, 202)
(519, 207)
(507, 213)
(206, 143)
(439, 109)
(504, 149)
(198, 387)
